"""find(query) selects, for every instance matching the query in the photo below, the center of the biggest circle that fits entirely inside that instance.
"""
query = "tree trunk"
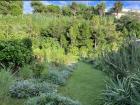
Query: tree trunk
(95, 44)
(100, 12)
(95, 41)
(117, 13)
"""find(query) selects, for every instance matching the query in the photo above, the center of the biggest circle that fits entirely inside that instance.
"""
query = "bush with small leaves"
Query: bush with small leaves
(58, 77)
(23, 89)
(51, 99)
(30, 88)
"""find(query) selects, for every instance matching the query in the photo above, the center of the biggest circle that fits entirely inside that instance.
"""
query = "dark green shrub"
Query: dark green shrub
(27, 42)
(51, 99)
(56, 29)
(129, 25)
(17, 52)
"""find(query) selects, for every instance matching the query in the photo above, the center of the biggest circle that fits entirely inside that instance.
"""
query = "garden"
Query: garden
(74, 55)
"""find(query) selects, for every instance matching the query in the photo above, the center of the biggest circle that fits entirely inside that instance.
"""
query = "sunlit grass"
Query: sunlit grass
(85, 85)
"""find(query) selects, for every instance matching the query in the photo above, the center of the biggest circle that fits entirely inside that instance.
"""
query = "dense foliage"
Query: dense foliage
(123, 92)
(15, 52)
(123, 68)
(30, 88)
(74, 9)
(11, 7)
(129, 25)
(124, 62)
(39, 45)
(84, 35)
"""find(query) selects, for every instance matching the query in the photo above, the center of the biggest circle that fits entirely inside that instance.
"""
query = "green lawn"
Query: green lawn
(10, 101)
(85, 85)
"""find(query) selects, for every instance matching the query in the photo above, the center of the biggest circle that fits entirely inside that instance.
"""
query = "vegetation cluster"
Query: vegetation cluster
(39, 53)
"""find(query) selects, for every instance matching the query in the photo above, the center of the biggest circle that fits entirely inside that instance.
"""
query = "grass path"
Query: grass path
(85, 85)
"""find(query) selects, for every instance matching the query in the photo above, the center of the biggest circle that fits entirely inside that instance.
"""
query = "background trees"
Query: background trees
(11, 7)
(74, 9)
(118, 7)
(38, 7)
(101, 8)
(130, 26)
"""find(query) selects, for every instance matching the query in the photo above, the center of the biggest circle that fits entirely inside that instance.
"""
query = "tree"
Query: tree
(38, 7)
(118, 7)
(74, 7)
(104, 33)
(66, 11)
(53, 9)
(16, 8)
(101, 8)
(11, 7)
(88, 12)
(129, 26)
(85, 11)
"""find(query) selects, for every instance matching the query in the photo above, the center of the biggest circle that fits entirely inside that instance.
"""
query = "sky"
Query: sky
(126, 4)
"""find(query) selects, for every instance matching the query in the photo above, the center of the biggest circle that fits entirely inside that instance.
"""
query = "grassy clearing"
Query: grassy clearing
(85, 85)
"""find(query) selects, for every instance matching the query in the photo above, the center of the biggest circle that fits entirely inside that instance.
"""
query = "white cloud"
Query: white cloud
(46, 2)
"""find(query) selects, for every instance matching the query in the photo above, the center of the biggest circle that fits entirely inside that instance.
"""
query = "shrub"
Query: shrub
(23, 89)
(55, 29)
(10, 7)
(30, 88)
(46, 88)
(51, 99)
(27, 42)
(58, 77)
(122, 92)
(123, 62)
(129, 25)
(15, 51)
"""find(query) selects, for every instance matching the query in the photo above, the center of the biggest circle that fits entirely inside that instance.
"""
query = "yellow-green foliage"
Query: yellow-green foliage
(56, 38)
(11, 7)
(105, 34)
